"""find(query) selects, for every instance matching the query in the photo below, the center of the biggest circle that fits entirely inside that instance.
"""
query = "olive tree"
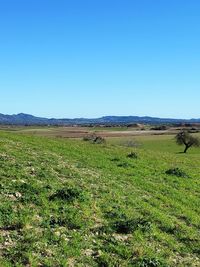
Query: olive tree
(185, 138)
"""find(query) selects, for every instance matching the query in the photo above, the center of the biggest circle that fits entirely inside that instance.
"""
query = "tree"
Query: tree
(185, 138)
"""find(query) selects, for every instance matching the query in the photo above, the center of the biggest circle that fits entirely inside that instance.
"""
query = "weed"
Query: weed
(176, 172)
(29, 193)
(115, 159)
(124, 165)
(11, 219)
(132, 155)
(69, 218)
(103, 261)
(68, 194)
(149, 262)
(126, 226)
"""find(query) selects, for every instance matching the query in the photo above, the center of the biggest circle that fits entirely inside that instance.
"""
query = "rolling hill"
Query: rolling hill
(26, 119)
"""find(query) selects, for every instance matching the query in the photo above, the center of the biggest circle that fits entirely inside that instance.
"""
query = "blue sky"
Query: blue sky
(75, 58)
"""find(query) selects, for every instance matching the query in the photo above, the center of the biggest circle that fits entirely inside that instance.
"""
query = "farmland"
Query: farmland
(66, 202)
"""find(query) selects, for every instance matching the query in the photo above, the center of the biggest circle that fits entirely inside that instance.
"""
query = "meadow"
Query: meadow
(68, 202)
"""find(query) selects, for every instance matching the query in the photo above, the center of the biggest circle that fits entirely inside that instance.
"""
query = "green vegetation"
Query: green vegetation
(68, 202)
(177, 172)
(188, 140)
(159, 143)
(94, 139)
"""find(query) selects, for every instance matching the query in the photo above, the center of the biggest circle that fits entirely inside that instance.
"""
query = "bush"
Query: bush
(132, 155)
(126, 226)
(159, 128)
(94, 139)
(176, 172)
(99, 140)
(88, 137)
(67, 194)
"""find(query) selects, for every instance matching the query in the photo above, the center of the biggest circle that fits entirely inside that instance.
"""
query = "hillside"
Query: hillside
(72, 203)
(26, 119)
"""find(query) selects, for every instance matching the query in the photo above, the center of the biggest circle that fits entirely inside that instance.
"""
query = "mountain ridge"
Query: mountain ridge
(28, 119)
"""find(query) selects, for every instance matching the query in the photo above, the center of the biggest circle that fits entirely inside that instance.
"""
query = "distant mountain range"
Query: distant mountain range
(26, 119)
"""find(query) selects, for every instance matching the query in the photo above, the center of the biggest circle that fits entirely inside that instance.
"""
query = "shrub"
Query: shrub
(126, 226)
(159, 128)
(67, 194)
(99, 140)
(176, 172)
(132, 155)
(88, 138)
(94, 139)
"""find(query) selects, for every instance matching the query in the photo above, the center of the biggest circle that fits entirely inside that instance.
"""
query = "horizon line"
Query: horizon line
(99, 117)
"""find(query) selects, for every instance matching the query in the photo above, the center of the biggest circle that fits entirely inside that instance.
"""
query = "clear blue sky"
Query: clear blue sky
(89, 58)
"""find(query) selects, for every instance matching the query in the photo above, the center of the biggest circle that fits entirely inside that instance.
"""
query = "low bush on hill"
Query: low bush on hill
(94, 139)
(176, 172)
(67, 194)
(132, 155)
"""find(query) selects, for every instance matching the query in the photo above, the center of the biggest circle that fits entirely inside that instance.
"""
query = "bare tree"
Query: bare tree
(185, 138)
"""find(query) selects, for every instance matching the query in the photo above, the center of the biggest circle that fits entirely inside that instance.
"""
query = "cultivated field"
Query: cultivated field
(79, 132)
(133, 201)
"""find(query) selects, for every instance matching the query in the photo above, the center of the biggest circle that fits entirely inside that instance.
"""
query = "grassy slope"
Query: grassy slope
(114, 211)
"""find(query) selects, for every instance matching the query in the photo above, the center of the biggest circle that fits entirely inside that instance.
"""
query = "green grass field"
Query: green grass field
(67, 202)
(161, 143)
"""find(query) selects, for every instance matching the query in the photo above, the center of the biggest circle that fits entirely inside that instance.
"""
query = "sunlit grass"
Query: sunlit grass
(72, 203)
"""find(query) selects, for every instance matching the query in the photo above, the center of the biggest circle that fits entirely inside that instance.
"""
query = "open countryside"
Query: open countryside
(99, 133)
(130, 201)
